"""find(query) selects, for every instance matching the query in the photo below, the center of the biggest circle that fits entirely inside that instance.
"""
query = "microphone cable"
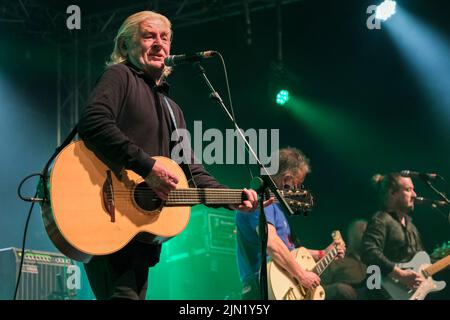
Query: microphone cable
(33, 200)
(227, 84)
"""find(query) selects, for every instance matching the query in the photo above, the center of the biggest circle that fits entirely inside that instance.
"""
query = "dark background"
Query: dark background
(368, 111)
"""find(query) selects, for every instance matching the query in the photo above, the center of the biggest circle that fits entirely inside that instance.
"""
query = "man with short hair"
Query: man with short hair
(391, 237)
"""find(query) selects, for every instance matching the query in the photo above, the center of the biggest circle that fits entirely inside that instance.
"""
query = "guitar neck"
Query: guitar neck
(207, 196)
(325, 261)
(437, 266)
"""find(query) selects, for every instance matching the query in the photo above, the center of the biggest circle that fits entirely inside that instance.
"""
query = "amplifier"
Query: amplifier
(210, 231)
(222, 232)
(44, 275)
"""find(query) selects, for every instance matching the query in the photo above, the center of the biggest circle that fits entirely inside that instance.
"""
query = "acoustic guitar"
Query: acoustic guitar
(93, 211)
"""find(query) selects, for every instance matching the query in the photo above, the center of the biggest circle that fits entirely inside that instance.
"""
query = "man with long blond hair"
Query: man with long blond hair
(129, 119)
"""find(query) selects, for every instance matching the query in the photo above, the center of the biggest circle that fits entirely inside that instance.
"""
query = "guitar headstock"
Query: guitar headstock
(337, 238)
(442, 251)
(299, 200)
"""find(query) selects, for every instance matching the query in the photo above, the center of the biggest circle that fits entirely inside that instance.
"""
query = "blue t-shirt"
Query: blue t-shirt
(249, 242)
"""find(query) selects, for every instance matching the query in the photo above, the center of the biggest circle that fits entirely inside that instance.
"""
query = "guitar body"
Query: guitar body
(397, 291)
(282, 287)
(84, 219)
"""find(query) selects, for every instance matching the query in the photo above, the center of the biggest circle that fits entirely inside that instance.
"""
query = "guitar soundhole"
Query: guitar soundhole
(145, 198)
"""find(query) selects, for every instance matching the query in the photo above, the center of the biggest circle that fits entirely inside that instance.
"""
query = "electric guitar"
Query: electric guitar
(281, 286)
(92, 211)
(421, 264)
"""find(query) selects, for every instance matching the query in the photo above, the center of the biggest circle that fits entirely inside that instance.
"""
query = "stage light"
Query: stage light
(425, 50)
(282, 84)
(385, 10)
(282, 97)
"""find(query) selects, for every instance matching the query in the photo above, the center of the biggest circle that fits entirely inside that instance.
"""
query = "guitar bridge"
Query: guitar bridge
(108, 196)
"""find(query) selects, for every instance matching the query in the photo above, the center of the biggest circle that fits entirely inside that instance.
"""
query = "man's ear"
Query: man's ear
(392, 192)
(123, 48)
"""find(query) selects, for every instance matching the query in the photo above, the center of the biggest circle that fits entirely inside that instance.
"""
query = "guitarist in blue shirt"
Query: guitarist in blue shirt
(293, 167)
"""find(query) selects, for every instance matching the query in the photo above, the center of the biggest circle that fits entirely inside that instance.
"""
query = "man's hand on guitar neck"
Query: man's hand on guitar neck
(251, 204)
(340, 249)
(161, 180)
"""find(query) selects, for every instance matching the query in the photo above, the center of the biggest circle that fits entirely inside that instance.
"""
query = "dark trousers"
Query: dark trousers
(123, 274)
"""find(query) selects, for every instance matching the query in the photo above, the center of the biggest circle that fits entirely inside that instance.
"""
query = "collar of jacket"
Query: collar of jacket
(162, 88)
(396, 217)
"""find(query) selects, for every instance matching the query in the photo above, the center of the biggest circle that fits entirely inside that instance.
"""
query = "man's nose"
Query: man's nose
(157, 42)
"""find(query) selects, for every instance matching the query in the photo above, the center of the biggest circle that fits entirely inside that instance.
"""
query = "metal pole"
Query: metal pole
(76, 84)
(280, 31)
(58, 95)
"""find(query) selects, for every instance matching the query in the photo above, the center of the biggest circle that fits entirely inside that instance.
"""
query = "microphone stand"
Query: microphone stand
(442, 196)
(264, 182)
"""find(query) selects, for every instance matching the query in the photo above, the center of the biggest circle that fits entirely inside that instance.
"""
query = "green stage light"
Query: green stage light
(282, 97)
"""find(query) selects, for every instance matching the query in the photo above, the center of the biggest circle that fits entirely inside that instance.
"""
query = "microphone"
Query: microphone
(174, 60)
(414, 174)
(431, 202)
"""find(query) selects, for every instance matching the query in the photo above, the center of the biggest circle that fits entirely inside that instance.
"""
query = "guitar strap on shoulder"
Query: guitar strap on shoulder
(174, 122)
(44, 176)
(172, 116)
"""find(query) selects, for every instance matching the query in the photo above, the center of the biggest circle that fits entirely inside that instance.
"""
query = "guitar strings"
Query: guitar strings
(193, 196)
(187, 193)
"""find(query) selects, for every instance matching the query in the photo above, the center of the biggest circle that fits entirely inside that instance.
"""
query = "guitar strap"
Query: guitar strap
(174, 122)
(172, 116)
(44, 176)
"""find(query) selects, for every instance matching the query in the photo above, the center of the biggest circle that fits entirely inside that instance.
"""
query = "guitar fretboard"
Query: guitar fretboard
(325, 261)
(193, 196)
(437, 266)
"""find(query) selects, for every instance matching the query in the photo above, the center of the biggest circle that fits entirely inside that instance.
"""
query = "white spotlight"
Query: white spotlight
(385, 10)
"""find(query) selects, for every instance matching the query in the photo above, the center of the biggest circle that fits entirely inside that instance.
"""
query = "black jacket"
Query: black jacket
(387, 242)
(127, 121)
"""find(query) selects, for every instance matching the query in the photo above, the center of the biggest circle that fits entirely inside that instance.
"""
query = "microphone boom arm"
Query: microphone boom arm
(443, 197)
(268, 182)
(439, 193)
